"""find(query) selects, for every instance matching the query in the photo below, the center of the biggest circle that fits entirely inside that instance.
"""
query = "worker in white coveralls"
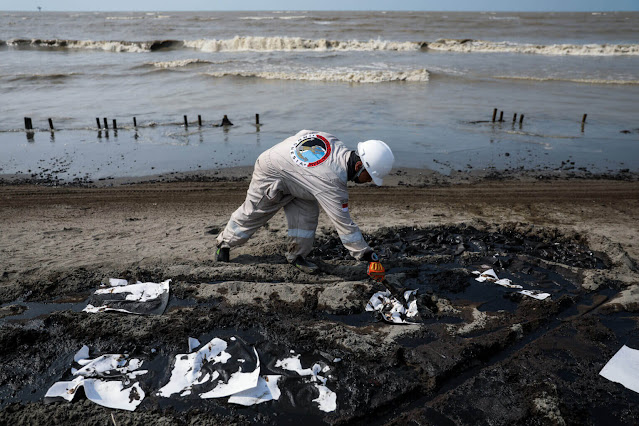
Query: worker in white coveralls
(302, 173)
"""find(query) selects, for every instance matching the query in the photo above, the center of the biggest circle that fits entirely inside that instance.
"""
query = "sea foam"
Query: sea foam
(266, 44)
(113, 46)
(481, 46)
(271, 44)
(332, 75)
(179, 63)
(296, 43)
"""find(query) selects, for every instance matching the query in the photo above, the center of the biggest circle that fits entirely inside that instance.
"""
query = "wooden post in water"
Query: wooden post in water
(257, 119)
(521, 119)
(501, 116)
(28, 126)
(199, 120)
(494, 114)
(135, 123)
(115, 124)
(106, 124)
(583, 122)
(515, 118)
(51, 125)
(97, 120)
(186, 122)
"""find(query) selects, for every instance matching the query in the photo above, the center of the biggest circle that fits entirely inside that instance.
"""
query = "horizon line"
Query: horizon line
(320, 10)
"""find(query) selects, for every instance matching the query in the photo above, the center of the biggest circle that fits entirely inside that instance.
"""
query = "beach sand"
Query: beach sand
(486, 355)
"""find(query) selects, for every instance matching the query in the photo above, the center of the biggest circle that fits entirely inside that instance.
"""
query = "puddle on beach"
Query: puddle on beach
(20, 310)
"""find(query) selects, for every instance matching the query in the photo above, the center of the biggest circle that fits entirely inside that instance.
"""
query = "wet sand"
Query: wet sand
(484, 354)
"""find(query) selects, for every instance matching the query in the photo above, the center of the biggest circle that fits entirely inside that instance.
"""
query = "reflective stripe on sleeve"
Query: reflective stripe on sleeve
(351, 238)
(301, 233)
(235, 228)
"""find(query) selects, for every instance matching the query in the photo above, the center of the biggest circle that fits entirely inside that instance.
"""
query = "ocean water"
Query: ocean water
(427, 83)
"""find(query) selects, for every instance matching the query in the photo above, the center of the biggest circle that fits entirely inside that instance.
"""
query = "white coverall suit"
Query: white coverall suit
(301, 173)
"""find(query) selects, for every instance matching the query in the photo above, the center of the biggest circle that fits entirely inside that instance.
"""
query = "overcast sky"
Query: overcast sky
(446, 5)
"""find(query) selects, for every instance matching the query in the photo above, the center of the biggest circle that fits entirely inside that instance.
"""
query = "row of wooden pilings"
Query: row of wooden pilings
(521, 118)
(28, 122)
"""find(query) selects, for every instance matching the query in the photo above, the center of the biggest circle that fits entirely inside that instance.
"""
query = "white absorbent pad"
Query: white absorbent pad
(140, 298)
(108, 380)
(218, 369)
(230, 368)
(266, 390)
(491, 276)
(392, 310)
(623, 368)
(311, 380)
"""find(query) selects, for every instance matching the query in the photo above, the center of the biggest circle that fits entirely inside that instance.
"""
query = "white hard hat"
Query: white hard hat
(377, 158)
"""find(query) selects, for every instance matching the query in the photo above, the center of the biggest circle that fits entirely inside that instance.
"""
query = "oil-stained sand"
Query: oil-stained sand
(484, 355)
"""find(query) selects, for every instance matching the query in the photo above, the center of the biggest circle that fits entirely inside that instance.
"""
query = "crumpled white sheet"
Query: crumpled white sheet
(140, 298)
(220, 368)
(119, 392)
(188, 371)
(535, 294)
(193, 344)
(392, 310)
(490, 276)
(266, 390)
(623, 368)
(196, 374)
(327, 399)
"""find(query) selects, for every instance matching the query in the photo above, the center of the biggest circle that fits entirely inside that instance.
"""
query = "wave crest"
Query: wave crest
(481, 46)
(112, 46)
(296, 43)
(334, 75)
(270, 44)
(179, 63)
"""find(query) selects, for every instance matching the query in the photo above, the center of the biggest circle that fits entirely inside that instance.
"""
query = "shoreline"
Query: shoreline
(401, 176)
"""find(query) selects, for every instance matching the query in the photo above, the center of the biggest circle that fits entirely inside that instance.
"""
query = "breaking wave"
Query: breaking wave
(270, 44)
(179, 63)
(469, 46)
(332, 75)
(296, 43)
(112, 46)
(212, 45)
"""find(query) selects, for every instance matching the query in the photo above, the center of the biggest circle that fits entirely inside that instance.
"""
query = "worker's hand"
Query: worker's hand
(376, 271)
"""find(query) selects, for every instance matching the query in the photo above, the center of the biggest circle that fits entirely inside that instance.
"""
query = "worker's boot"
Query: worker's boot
(305, 266)
(223, 254)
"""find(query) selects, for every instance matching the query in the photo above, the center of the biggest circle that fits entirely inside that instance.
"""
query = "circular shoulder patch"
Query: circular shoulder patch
(310, 150)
